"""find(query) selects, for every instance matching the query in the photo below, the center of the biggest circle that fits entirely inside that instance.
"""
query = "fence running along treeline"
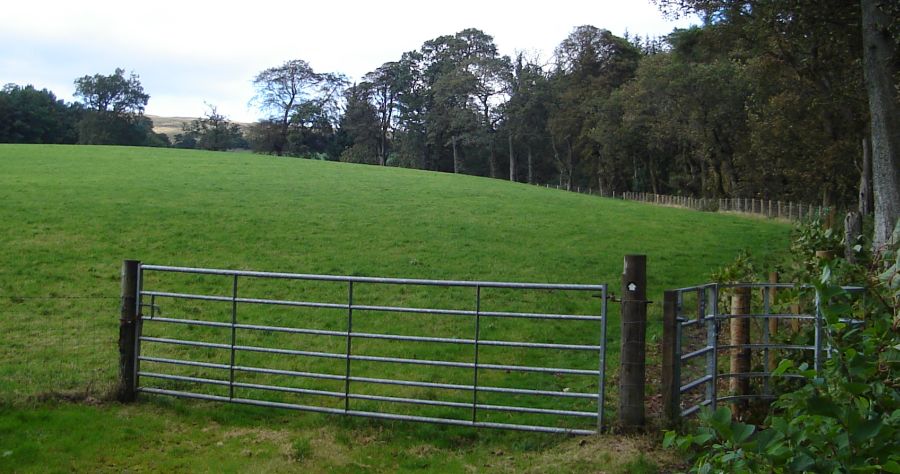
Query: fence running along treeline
(790, 210)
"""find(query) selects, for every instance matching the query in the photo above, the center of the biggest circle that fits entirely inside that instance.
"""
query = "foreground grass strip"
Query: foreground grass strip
(168, 437)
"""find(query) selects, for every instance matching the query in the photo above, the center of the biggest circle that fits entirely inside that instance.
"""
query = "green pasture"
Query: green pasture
(70, 215)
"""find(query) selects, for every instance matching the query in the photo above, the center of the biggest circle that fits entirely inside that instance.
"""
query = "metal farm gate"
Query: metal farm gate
(701, 359)
(312, 343)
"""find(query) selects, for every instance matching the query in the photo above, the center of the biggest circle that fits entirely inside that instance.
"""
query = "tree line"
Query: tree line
(783, 100)
(766, 100)
(109, 111)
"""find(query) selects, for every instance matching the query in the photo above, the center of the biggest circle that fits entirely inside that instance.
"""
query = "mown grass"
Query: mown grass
(71, 215)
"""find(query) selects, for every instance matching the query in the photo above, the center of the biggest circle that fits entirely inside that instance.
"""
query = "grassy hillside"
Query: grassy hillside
(72, 214)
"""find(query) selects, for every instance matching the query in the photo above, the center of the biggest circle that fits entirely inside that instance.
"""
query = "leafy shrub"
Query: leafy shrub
(844, 419)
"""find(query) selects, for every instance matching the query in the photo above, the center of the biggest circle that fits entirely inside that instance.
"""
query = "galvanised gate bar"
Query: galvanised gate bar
(235, 380)
(705, 315)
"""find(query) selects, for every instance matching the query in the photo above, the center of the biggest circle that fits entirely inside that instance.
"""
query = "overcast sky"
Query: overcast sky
(189, 52)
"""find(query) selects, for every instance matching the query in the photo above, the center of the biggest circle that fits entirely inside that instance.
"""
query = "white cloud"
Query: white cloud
(188, 52)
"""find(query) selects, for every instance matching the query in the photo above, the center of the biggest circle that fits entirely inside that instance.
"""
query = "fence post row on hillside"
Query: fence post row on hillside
(773, 209)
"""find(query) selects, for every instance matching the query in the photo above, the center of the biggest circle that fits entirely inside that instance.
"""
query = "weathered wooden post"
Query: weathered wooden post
(852, 231)
(128, 326)
(740, 335)
(634, 351)
(671, 377)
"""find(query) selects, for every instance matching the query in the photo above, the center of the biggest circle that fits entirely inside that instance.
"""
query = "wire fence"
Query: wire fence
(774, 209)
(57, 347)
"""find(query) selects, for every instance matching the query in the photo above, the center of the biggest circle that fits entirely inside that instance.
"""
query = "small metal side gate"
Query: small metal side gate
(698, 320)
(314, 346)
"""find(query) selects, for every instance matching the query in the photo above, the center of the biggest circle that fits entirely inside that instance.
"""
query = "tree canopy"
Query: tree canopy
(114, 111)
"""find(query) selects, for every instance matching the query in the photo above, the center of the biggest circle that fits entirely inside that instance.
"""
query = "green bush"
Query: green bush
(844, 419)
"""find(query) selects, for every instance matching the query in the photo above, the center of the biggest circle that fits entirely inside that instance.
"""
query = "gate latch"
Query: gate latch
(615, 299)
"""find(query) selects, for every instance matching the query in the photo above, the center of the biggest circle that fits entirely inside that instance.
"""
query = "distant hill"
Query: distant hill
(169, 125)
(172, 126)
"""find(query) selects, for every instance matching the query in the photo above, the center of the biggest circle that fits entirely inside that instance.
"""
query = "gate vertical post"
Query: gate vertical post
(477, 337)
(819, 335)
(128, 331)
(349, 345)
(709, 310)
(633, 349)
(671, 363)
(234, 290)
(601, 400)
(773, 322)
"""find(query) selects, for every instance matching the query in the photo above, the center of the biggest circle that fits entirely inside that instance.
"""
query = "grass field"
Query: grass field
(71, 215)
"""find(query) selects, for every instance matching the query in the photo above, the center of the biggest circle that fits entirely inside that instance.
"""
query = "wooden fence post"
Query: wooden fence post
(128, 325)
(852, 231)
(633, 347)
(740, 335)
(671, 379)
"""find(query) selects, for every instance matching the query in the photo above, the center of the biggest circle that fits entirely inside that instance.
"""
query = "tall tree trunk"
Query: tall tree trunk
(382, 143)
(493, 156)
(634, 177)
(727, 181)
(512, 160)
(530, 167)
(570, 165)
(559, 164)
(865, 179)
(279, 148)
(455, 154)
(653, 184)
(878, 57)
